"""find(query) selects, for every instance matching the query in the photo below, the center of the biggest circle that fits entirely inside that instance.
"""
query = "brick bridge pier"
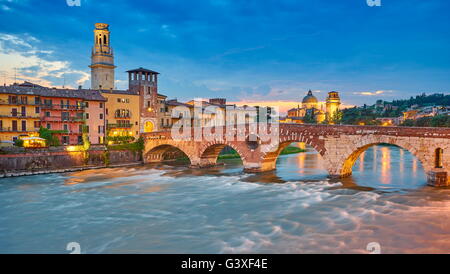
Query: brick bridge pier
(339, 145)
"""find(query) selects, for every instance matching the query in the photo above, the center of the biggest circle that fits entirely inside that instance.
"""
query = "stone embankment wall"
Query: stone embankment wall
(19, 161)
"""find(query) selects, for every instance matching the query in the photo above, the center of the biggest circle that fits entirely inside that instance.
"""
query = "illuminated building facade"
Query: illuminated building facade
(312, 110)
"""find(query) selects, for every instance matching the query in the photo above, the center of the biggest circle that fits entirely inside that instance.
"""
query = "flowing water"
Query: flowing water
(174, 209)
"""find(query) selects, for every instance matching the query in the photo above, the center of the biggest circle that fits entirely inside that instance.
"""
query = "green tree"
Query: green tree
(49, 137)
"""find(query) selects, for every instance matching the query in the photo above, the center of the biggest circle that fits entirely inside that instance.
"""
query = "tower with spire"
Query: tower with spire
(102, 59)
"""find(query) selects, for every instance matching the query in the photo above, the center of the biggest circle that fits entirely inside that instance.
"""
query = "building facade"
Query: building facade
(122, 113)
(63, 111)
(312, 110)
(19, 112)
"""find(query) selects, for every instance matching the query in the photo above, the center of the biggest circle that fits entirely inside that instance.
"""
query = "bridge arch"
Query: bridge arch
(161, 152)
(209, 152)
(269, 159)
(348, 160)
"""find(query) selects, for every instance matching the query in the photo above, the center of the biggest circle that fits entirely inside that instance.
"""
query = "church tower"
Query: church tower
(333, 103)
(102, 59)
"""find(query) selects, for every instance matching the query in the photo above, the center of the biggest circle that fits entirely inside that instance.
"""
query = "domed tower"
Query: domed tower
(102, 59)
(333, 103)
(310, 101)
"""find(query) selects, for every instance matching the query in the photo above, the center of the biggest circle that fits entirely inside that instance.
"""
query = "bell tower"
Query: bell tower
(145, 83)
(333, 103)
(102, 59)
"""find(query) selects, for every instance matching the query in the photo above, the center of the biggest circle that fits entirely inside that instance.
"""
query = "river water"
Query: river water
(173, 209)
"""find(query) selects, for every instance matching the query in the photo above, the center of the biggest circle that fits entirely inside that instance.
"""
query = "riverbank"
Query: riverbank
(25, 162)
(286, 151)
(73, 169)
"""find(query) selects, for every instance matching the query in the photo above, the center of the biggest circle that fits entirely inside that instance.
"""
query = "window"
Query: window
(87, 129)
(80, 128)
(106, 111)
(14, 125)
(438, 157)
(87, 116)
(37, 110)
(12, 99)
(1, 125)
(14, 112)
(49, 126)
(66, 128)
(37, 100)
(101, 105)
(101, 116)
(24, 111)
(80, 140)
(24, 125)
(48, 102)
(37, 124)
(65, 116)
(65, 140)
(86, 104)
(119, 100)
(47, 114)
(127, 101)
(123, 113)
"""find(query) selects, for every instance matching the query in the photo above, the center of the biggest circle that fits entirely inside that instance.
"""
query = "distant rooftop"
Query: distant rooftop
(28, 88)
(141, 69)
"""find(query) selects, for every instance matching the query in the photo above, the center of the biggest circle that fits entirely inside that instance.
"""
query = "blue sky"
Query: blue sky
(244, 50)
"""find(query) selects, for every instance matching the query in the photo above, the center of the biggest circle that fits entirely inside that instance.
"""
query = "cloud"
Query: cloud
(22, 60)
(5, 8)
(368, 93)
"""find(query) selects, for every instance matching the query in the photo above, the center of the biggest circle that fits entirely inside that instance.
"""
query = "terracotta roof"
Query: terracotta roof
(174, 102)
(117, 91)
(141, 69)
(31, 89)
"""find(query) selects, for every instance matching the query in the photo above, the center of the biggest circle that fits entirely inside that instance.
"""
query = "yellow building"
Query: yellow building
(19, 113)
(122, 113)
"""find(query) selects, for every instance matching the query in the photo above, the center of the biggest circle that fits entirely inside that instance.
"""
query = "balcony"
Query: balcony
(122, 116)
(63, 107)
(20, 115)
(111, 126)
(10, 129)
(63, 120)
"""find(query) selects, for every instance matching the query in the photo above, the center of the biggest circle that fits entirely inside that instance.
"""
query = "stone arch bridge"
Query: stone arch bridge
(339, 146)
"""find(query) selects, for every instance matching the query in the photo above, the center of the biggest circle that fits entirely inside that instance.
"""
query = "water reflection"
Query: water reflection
(388, 167)
(384, 167)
